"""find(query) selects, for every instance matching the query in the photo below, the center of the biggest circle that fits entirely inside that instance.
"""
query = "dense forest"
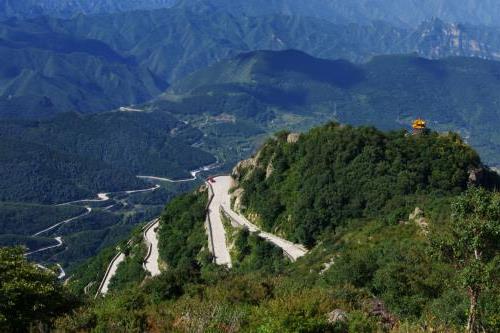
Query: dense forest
(416, 251)
(74, 157)
(336, 173)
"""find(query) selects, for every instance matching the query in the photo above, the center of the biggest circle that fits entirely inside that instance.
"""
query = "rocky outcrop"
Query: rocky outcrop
(293, 137)
(418, 217)
(476, 176)
(336, 316)
(437, 39)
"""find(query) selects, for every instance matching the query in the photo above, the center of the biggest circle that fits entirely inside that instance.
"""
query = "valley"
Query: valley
(249, 166)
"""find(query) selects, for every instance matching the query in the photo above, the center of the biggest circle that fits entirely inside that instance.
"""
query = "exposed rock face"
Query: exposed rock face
(336, 316)
(419, 218)
(293, 137)
(238, 196)
(437, 39)
(240, 171)
(476, 176)
(269, 170)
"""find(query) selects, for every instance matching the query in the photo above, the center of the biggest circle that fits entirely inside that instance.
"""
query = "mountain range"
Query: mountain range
(400, 13)
(276, 89)
(68, 8)
(97, 63)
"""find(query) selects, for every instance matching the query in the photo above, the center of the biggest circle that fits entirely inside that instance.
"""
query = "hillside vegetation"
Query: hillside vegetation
(334, 174)
(382, 267)
(47, 72)
(290, 89)
(74, 157)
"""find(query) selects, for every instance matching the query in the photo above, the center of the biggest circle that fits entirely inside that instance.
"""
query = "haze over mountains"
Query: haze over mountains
(96, 63)
(68, 8)
(330, 211)
(194, 86)
(401, 13)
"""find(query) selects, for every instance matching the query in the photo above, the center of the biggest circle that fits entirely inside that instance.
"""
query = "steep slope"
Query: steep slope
(47, 73)
(300, 189)
(294, 90)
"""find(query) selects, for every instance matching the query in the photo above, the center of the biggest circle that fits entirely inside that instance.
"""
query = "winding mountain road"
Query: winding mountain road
(217, 234)
(110, 272)
(59, 244)
(150, 264)
(89, 210)
(194, 175)
(221, 189)
(151, 238)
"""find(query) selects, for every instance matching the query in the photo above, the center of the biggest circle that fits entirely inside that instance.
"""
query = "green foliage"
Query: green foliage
(29, 295)
(472, 246)
(386, 92)
(91, 272)
(27, 219)
(256, 254)
(82, 155)
(130, 271)
(182, 238)
(338, 173)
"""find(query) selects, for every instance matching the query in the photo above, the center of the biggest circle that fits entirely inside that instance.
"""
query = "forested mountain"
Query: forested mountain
(300, 189)
(97, 63)
(68, 8)
(73, 157)
(293, 89)
(44, 73)
(208, 36)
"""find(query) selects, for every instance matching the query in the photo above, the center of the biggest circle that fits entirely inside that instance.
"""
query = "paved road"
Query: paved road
(100, 198)
(194, 175)
(151, 238)
(89, 210)
(293, 251)
(220, 190)
(110, 272)
(59, 244)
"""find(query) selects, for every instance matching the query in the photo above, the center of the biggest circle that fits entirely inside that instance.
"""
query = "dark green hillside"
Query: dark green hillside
(74, 157)
(45, 72)
(186, 39)
(27, 219)
(33, 172)
(294, 90)
(334, 174)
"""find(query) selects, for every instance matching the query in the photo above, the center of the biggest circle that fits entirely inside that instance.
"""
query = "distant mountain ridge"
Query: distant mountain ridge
(400, 12)
(46, 72)
(69, 8)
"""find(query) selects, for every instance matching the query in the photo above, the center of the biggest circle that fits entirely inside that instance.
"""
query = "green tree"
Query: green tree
(29, 295)
(472, 245)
